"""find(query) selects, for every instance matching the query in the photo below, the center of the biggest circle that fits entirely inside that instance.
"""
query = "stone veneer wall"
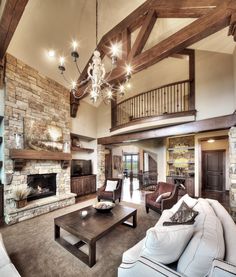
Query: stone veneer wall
(32, 95)
(232, 171)
(100, 165)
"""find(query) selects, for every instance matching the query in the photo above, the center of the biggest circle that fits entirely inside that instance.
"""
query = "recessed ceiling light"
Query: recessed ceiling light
(51, 53)
(211, 140)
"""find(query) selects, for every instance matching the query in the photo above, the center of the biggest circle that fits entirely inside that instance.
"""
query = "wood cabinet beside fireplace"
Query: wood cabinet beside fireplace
(83, 185)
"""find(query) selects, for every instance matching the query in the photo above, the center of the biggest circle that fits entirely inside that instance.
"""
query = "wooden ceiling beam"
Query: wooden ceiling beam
(197, 30)
(143, 34)
(11, 16)
(212, 124)
(187, 3)
(126, 44)
(212, 21)
(182, 12)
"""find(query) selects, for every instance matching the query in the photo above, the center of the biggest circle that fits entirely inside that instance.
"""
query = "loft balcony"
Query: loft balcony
(170, 101)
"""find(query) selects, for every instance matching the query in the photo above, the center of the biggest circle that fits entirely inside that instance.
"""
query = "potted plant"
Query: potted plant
(20, 195)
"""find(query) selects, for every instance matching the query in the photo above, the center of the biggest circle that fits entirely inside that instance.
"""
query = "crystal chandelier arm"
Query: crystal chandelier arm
(109, 74)
(77, 66)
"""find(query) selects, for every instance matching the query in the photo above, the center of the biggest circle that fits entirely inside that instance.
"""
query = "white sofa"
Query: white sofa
(211, 250)
(7, 269)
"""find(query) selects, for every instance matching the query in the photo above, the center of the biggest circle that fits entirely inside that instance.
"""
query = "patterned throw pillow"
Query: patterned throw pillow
(184, 214)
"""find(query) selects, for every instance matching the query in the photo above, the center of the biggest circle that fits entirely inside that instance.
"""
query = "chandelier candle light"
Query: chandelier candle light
(99, 85)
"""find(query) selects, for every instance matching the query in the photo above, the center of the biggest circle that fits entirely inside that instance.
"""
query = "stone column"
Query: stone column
(100, 165)
(232, 171)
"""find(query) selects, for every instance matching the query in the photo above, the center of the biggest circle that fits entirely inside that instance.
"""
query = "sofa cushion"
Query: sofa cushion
(165, 216)
(229, 229)
(9, 271)
(206, 244)
(4, 259)
(166, 244)
(132, 254)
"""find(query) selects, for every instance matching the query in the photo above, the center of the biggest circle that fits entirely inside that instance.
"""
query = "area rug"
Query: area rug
(34, 252)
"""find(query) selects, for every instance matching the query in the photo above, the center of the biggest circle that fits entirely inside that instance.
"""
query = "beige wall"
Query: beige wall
(85, 124)
(214, 84)
(165, 72)
(103, 117)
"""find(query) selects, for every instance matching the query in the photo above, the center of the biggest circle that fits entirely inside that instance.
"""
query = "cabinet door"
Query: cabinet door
(77, 186)
(86, 185)
(93, 184)
(190, 186)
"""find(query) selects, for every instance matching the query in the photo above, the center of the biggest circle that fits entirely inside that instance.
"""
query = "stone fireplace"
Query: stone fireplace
(41, 185)
(32, 97)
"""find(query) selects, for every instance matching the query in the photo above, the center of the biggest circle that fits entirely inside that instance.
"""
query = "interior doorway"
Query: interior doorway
(131, 164)
(213, 170)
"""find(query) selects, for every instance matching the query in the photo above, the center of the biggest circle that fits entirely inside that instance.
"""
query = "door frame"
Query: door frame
(224, 165)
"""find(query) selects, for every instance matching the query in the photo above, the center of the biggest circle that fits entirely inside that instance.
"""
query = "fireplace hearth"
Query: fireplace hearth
(42, 185)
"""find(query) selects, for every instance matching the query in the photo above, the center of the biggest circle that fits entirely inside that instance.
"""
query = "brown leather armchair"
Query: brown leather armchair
(165, 203)
(110, 195)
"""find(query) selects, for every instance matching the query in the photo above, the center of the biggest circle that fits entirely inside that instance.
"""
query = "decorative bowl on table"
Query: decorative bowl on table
(104, 207)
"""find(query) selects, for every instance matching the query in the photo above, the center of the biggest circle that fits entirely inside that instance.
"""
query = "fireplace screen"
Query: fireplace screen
(42, 185)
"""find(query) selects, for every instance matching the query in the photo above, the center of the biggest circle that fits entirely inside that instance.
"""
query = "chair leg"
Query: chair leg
(119, 199)
(99, 199)
(147, 209)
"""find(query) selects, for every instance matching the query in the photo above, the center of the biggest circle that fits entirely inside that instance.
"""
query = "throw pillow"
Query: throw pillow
(163, 196)
(166, 244)
(111, 185)
(191, 202)
(184, 214)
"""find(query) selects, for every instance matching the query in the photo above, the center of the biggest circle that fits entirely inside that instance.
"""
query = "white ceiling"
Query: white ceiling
(52, 24)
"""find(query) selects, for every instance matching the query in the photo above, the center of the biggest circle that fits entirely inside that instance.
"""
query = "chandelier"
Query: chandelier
(97, 78)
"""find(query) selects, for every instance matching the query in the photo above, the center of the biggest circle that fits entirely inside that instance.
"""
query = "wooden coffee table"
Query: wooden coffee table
(91, 228)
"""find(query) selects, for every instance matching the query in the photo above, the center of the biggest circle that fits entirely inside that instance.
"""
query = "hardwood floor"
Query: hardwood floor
(131, 193)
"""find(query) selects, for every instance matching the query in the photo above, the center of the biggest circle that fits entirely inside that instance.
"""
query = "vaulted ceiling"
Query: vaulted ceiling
(52, 24)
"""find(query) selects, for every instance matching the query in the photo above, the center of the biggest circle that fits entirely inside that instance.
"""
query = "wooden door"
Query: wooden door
(213, 170)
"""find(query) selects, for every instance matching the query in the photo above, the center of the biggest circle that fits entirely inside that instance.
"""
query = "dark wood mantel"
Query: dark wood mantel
(20, 156)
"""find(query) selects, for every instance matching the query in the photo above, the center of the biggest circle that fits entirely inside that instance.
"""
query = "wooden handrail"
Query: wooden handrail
(169, 99)
(171, 84)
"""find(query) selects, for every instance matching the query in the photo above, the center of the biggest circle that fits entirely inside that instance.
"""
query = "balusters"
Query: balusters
(169, 99)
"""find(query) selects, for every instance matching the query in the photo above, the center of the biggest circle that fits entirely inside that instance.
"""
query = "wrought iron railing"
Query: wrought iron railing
(169, 99)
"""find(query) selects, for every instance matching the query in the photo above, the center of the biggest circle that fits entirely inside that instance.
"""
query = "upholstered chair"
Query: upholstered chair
(111, 190)
(164, 197)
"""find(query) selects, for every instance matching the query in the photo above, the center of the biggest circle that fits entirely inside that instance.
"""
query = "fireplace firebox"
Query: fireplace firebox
(42, 185)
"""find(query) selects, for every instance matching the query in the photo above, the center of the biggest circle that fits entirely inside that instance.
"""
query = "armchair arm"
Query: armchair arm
(145, 267)
(117, 191)
(168, 203)
(153, 195)
(101, 189)
(222, 269)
